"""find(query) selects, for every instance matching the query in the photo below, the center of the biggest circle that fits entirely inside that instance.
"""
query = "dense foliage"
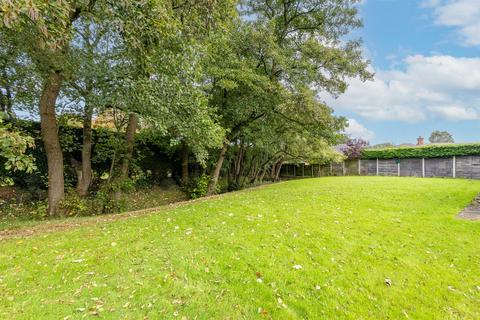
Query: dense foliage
(13, 151)
(353, 148)
(427, 151)
(231, 86)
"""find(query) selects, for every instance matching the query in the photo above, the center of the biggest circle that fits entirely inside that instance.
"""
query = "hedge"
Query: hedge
(427, 151)
(152, 153)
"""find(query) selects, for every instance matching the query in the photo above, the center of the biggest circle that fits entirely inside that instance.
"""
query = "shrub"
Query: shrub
(197, 187)
(74, 205)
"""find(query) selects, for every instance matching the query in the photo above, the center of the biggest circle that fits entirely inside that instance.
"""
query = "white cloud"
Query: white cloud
(456, 112)
(357, 130)
(428, 87)
(461, 14)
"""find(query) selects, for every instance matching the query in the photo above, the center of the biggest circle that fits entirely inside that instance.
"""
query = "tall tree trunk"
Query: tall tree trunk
(216, 173)
(53, 150)
(85, 180)
(130, 142)
(185, 155)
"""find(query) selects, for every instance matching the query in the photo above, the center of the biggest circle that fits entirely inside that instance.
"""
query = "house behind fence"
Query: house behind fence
(454, 166)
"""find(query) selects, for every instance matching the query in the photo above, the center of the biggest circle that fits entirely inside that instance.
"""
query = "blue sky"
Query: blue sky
(426, 57)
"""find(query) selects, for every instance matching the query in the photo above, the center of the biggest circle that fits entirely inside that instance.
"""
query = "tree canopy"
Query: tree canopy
(233, 85)
(441, 137)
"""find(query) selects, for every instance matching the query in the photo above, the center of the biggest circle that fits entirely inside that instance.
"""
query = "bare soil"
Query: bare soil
(472, 212)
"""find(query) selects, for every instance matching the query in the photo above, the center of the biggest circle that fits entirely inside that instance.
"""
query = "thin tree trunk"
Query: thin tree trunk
(276, 166)
(112, 166)
(86, 177)
(77, 166)
(53, 150)
(216, 173)
(279, 168)
(239, 163)
(264, 171)
(185, 157)
(130, 142)
(273, 170)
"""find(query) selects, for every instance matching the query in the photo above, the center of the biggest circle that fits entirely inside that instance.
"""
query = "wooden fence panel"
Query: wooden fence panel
(468, 167)
(368, 167)
(351, 167)
(453, 167)
(337, 169)
(387, 167)
(439, 167)
(325, 170)
(411, 167)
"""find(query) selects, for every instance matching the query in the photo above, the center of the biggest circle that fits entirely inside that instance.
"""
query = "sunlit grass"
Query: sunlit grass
(316, 248)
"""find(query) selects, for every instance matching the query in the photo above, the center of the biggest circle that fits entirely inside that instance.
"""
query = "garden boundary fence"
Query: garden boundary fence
(450, 167)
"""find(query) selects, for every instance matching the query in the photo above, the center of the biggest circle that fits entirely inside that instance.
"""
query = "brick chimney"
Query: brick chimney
(420, 141)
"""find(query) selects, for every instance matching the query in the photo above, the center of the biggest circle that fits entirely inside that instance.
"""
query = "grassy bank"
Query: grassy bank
(340, 247)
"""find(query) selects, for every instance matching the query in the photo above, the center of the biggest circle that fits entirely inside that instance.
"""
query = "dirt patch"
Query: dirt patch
(472, 212)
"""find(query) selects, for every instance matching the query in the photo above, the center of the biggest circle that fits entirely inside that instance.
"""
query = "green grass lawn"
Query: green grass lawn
(304, 249)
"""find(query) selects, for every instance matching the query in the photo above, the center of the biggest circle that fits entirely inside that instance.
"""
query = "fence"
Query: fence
(452, 167)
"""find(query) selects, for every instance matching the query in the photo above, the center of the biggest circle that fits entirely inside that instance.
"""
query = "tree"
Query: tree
(169, 95)
(93, 52)
(283, 48)
(353, 148)
(44, 32)
(440, 137)
(149, 36)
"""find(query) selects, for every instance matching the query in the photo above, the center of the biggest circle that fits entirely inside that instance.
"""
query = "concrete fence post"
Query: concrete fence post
(398, 168)
(454, 166)
(377, 166)
(331, 168)
(423, 167)
(312, 170)
(359, 167)
(343, 168)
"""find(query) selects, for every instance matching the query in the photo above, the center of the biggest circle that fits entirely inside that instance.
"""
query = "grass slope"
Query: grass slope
(204, 260)
(23, 216)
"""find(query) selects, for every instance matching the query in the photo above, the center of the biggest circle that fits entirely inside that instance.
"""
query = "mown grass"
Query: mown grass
(312, 249)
